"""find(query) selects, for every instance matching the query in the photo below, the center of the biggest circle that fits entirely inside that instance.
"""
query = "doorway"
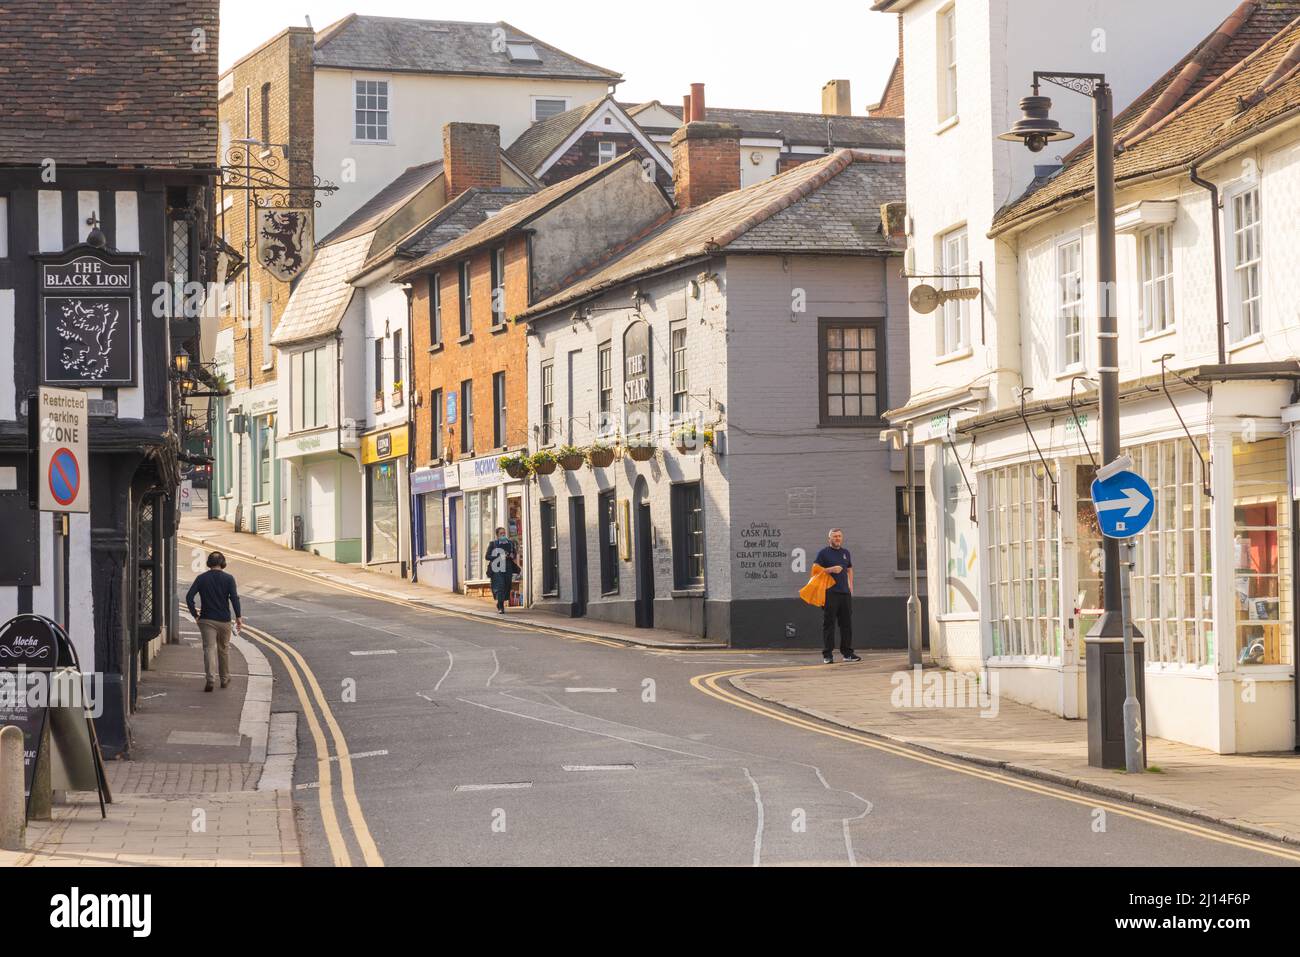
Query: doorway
(645, 570)
(453, 540)
(578, 554)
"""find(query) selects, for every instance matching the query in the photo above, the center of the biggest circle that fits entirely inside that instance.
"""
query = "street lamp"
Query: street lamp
(901, 440)
(1036, 129)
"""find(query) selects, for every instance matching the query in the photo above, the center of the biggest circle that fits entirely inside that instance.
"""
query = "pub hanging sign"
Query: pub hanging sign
(88, 301)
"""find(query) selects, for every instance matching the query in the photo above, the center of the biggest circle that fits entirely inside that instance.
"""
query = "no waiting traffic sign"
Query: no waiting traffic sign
(1125, 504)
(61, 449)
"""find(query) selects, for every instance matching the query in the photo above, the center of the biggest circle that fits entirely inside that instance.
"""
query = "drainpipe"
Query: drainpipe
(408, 341)
(1218, 261)
(1295, 560)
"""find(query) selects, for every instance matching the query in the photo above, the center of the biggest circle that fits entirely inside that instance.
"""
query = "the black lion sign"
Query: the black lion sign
(284, 241)
(87, 306)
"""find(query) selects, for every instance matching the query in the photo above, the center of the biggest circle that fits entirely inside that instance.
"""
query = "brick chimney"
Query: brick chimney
(836, 100)
(706, 161)
(471, 156)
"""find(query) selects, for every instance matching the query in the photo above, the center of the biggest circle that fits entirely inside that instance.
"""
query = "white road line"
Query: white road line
(361, 754)
(599, 767)
(365, 654)
(758, 831)
(451, 662)
(591, 690)
(496, 670)
(309, 786)
(514, 786)
(424, 696)
(844, 822)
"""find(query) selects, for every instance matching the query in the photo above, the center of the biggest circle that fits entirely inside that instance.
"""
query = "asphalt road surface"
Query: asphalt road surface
(430, 738)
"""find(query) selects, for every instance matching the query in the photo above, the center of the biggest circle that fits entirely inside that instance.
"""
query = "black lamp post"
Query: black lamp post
(1036, 129)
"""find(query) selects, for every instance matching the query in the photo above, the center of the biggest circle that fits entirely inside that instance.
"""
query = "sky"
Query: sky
(759, 54)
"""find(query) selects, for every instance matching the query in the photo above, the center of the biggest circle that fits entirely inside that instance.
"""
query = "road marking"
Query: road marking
(329, 820)
(512, 786)
(360, 830)
(365, 654)
(598, 767)
(709, 685)
(410, 603)
(758, 830)
(360, 754)
(591, 690)
(844, 822)
(160, 694)
(496, 670)
(310, 785)
(451, 663)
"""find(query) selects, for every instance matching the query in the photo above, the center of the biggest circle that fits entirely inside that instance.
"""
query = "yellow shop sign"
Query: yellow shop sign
(388, 444)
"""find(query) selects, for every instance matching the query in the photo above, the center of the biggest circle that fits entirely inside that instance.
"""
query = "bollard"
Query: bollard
(13, 813)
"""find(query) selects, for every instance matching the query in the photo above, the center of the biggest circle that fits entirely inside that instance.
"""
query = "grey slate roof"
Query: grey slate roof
(540, 140)
(399, 44)
(804, 129)
(367, 217)
(323, 294)
(471, 208)
(827, 206)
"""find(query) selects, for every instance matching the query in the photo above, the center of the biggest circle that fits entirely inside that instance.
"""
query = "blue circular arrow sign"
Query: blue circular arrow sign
(1125, 504)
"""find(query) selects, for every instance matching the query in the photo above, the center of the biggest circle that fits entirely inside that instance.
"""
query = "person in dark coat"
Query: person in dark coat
(502, 568)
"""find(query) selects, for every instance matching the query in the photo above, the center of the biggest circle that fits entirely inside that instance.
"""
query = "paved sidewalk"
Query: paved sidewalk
(190, 794)
(211, 534)
(1257, 794)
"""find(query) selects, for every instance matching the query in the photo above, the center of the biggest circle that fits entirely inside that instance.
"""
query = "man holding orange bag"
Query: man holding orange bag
(835, 559)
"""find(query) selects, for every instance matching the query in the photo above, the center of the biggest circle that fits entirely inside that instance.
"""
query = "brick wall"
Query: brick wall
(486, 352)
(285, 63)
(471, 154)
(706, 162)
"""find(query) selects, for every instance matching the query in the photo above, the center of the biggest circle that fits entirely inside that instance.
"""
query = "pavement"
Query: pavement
(1252, 793)
(199, 789)
(431, 734)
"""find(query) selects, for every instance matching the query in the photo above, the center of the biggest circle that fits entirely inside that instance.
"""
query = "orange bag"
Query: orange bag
(814, 593)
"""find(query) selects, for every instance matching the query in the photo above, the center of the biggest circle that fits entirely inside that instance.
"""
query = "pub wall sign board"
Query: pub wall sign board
(88, 313)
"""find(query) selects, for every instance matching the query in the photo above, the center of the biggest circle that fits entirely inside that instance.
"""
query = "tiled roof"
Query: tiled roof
(1251, 78)
(387, 201)
(516, 215)
(828, 206)
(323, 294)
(399, 44)
(468, 210)
(805, 129)
(541, 139)
(116, 82)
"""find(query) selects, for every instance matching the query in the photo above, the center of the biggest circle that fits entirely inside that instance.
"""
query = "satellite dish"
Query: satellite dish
(924, 299)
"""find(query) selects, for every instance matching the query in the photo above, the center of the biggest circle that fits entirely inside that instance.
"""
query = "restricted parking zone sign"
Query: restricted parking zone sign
(63, 465)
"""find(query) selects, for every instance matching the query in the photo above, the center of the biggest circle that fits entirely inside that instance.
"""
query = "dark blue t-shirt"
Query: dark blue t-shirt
(829, 557)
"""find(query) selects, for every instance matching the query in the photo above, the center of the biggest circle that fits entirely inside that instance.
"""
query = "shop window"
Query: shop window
(264, 461)
(608, 505)
(1024, 574)
(480, 529)
(435, 545)
(1261, 553)
(550, 551)
(688, 535)
(381, 509)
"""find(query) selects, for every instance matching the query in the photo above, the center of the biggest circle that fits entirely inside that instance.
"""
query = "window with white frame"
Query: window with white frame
(953, 317)
(607, 151)
(371, 113)
(544, 107)
(1156, 275)
(309, 389)
(1022, 548)
(1247, 252)
(947, 60)
(1069, 304)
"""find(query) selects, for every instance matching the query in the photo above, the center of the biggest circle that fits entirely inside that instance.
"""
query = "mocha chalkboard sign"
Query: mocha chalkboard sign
(88, 300)
(28, 643)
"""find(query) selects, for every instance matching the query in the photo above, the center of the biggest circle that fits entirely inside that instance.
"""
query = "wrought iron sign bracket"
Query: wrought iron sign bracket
(960, 275)
(1074, 411)
(264, 175)
(1046, 468)
(1164, 386)
(952, 446)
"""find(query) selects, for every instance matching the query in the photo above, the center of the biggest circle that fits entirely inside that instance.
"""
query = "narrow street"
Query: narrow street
(473, 742)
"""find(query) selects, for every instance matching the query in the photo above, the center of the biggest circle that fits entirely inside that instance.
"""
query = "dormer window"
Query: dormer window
(522, 51)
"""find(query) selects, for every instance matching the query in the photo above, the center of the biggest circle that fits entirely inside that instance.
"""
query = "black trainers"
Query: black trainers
(851, 657)
(828, 659)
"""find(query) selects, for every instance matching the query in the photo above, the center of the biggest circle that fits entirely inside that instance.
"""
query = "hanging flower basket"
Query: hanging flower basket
(571, 457)
(641, 452)
(691, 438)
(600, 456)
(516, 466)
(543, 463)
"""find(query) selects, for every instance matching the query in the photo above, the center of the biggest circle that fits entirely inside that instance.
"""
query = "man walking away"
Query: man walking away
(835, 559)
(217, 595)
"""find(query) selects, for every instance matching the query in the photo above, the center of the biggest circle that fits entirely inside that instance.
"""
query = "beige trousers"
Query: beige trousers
(216, 638)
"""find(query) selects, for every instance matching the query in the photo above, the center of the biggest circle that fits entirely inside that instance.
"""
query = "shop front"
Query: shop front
(488, 499)
(383, 457)
(323, 480)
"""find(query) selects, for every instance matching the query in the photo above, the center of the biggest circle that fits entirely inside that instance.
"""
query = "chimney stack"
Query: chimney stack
(706, 161)
(697, 103)
(836, 100)
(471, 156)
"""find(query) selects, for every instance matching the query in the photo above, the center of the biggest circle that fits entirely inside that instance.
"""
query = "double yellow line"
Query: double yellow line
(717, 685)
(303, 678)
